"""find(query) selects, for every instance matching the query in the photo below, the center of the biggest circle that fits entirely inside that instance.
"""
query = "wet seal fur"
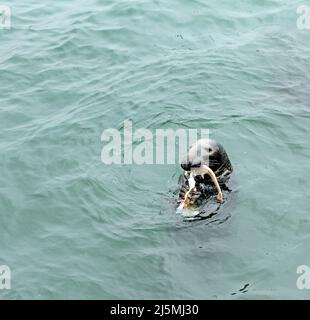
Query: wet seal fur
(210, 153)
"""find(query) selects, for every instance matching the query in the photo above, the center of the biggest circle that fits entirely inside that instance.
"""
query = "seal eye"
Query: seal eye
(210, 150)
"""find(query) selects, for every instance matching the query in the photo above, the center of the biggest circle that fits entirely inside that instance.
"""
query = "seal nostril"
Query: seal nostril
(186, 166)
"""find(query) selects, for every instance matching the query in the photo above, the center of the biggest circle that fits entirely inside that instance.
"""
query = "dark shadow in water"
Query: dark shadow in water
(242, 290)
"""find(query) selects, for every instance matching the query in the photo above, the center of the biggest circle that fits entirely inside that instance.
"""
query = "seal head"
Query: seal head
(210, 153)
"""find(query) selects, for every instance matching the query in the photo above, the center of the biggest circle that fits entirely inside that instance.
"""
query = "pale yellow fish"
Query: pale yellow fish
(202, 170)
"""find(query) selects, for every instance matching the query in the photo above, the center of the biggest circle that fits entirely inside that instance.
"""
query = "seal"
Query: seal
(209, 153)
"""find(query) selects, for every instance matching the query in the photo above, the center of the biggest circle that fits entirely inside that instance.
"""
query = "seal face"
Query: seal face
(210, 153)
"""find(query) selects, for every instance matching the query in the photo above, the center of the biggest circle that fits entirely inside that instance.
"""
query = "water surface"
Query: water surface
(74, 228)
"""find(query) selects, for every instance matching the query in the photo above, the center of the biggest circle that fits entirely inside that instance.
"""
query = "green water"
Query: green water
(72, 227)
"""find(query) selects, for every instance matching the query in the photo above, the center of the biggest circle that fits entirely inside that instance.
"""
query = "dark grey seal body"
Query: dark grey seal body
(210, 153)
